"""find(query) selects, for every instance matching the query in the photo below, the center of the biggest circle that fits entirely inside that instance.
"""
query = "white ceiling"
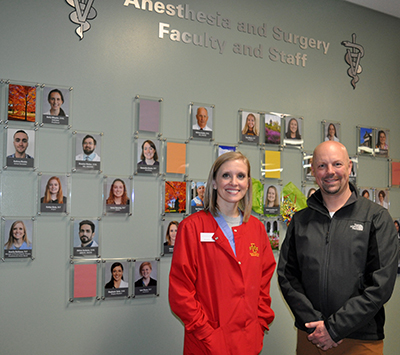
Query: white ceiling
(389, 7)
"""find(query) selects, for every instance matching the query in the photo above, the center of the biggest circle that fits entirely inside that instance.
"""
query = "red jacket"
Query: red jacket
(222, 299)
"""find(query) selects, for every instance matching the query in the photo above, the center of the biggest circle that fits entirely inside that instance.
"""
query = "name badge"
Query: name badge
(206, 237)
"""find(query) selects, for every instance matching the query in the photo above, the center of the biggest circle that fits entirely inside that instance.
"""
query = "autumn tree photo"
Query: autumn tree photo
(21, 103)
(175, 197)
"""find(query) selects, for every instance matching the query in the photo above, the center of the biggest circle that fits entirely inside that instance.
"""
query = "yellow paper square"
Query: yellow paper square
(272, 164)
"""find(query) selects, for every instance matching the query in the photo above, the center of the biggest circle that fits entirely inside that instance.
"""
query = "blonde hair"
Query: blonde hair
(246, 126)
(210, 196)
(10, 241)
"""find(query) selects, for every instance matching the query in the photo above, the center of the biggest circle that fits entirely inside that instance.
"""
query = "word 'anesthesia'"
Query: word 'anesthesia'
(186, 37)
(181, 11)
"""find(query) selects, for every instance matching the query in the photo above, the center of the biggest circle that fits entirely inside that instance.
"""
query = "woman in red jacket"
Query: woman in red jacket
(222, 267)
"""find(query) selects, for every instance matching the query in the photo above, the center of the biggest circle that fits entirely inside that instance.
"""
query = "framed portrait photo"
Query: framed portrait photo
(382, 197)
(148, 156)
(249, 127)
(146, 277)
(293, 136)
(272, 199)
(197, 191)
(88, 151)
(331, 131)
(56, 106)
(18, 238)
(116, 278)
(54, 193)
(20, 149)
(118, 195)
(85, 237)
(367, 192)
(201, 120)
(382, 142)
(169, 231)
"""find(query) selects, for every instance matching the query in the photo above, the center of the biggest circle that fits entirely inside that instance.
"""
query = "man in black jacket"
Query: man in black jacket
(338, 263)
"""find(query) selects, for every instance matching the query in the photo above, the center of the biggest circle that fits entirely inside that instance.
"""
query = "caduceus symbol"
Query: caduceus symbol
(83, 12)
(353, 56)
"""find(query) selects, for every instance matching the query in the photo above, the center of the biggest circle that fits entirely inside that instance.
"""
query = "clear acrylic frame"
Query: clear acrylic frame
(84, 279)
(80, 164)
(22, 103)
(46, 181)
(148, 115)
(151, 166)
(297, 131)
(56, 93)
(169, 225)
(331, 130)
(86, 235)
(19, 141)
(174, 196)
(249, 126)
(201, 118)
(152, 288)
(117, 265)
(110, 205)
(12, 228)
(273, 128)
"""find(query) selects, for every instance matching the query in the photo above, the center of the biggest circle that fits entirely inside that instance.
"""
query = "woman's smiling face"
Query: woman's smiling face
(55, 101)
(251, 121)
(293, 126)
(54, 186)
(18, 231)
(117, 273)
(146, 271)
(231, 183)
(148, 151)
(118, 189)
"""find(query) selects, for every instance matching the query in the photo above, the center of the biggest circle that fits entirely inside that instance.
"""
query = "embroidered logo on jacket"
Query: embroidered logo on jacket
(253, 250)
(357, 227)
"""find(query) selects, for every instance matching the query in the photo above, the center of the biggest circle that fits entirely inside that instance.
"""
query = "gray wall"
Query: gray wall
(121, 56)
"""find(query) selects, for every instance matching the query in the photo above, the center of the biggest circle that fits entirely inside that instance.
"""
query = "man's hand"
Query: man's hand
(320, 337)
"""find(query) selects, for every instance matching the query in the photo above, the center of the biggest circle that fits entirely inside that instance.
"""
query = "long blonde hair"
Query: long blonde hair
(10, 241)
(246, 126)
